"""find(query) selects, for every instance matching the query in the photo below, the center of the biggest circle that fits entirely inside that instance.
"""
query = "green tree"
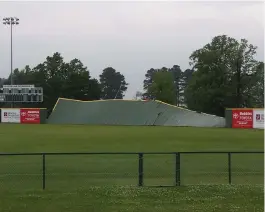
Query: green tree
(113, 84)
(68, 80)
(186, 77)
(255, 90)
(148, 82)
(163, 87)
(225, 69)
(59, 79)
(177, 78)
(2, 81)
(179, 84)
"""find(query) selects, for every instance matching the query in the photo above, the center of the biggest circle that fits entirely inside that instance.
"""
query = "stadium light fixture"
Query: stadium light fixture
(11, 21)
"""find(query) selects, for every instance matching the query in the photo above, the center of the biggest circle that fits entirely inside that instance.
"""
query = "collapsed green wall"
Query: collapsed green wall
(124, 112)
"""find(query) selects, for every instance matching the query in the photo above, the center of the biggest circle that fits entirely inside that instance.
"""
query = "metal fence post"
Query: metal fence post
(141, 169)
(229, 168)
(43, 171)
(177, 171)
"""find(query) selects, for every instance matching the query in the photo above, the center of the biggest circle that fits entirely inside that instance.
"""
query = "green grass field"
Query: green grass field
(108, 182)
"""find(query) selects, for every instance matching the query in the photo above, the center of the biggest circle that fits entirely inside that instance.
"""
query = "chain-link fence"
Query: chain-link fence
(80, 170)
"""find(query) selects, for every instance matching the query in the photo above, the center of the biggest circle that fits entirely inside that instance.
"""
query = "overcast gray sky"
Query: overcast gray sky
(131, 37)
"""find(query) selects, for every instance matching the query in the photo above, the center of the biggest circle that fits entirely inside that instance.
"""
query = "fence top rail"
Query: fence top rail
(133, 153)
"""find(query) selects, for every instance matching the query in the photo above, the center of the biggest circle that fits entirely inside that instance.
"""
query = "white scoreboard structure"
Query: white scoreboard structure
(21, 93)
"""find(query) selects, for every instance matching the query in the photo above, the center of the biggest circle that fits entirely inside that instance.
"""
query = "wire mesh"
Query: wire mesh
(85, 170)
(159, 169)
(204, 169)
(20, 172)
(80, 171)
(247, 168)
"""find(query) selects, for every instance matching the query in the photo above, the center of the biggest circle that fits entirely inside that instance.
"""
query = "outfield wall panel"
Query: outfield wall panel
(228, 118)
(124, 112)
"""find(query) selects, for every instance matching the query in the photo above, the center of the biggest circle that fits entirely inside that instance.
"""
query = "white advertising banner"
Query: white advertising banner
(10, 115)
(258, 118)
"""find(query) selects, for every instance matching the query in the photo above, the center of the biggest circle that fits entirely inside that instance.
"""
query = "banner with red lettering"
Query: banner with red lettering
(242, 118)
(29, 116)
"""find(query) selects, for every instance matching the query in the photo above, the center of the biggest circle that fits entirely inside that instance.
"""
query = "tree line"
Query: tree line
(68, 80)
(224, 74)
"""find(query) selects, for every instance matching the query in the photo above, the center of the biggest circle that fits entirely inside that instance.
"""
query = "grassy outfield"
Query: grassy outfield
(119, 199)
(71, 138)
(71, 180)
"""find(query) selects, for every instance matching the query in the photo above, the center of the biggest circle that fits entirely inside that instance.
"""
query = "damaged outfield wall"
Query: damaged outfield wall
(129, 112)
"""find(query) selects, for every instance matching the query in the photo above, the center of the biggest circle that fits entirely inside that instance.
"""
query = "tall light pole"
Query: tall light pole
(11, 21)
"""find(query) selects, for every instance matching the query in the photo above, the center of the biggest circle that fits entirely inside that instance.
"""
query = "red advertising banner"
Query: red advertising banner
(242, 118)
(29, 116)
